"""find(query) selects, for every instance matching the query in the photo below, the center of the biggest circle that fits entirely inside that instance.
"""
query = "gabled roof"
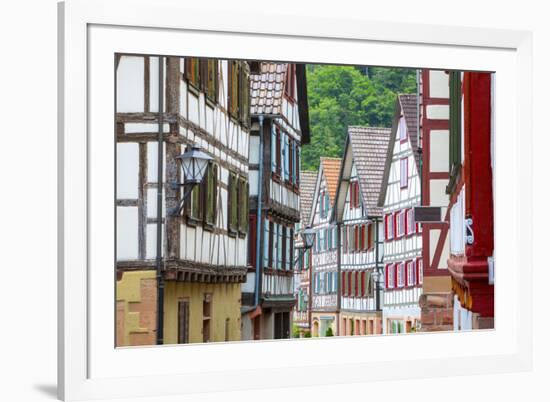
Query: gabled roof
(267, 90)
(406, 105)
(331, 170)
(366, 147)
(409, 108)
(307, 188)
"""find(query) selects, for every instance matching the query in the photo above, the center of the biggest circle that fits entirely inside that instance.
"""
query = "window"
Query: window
(420, 270)
(243, 205)
(389, 226)
(233, 207)
(351, 283)
(363, 284)
(334, 282)
(345, 238)
(409, 222)
(244, 95)
(206, 316)
(267, 243)
(192, 71)
(400, 223)
(274, 134)
(344, 283)
(400, 274)
(233, 98)
(327, 203)
(193, 204)
(356, 238)
(370, 241)
(211, 194)
(411, 273)
(354, 194)
(404, 176)
(279, 246)
(362, 243)
(292, 162)
(390, 276)
(209, 78)
(286, 158)
(455, 128)
(402, 129)
(289, 81)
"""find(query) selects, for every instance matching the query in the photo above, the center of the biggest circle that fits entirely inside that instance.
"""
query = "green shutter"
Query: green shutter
(455, 128)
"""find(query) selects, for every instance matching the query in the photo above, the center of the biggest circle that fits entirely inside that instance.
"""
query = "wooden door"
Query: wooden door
(183, 321)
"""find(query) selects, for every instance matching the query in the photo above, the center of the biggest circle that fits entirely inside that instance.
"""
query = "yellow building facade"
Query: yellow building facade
(136, 299)
(202, 312)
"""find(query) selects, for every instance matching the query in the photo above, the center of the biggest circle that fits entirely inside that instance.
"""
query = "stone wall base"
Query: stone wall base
(436, 312)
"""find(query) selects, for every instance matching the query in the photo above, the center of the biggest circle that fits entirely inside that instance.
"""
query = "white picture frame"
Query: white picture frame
(90, 32)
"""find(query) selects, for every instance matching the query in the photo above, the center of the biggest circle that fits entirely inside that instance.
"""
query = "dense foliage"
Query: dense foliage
(342, 96)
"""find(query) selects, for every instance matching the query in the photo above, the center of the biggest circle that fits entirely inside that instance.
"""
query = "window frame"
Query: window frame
(404, 172)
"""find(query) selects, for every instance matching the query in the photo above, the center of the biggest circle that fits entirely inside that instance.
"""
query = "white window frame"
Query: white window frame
(400, 223)
(390, 268)
(404, 172)
(400, 275)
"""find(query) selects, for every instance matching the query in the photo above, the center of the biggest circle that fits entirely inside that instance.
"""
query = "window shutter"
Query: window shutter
(394, 222)
(406, 279)
(419, 271)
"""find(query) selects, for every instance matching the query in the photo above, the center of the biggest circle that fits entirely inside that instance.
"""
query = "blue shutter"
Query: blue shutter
(273, 149)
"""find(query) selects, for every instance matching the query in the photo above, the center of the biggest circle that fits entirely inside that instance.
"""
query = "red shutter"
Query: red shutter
(387, 284)
(369, 233)
(395, 219)
(406, 279)
(349, 284)
(406, 231)
(395, 270)
(356, 283)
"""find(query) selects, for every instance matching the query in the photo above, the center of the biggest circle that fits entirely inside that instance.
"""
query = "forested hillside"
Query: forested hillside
(341, 96)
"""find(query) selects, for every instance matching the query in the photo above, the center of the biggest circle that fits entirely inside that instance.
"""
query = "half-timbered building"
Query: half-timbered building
(280, 126)
(302, 274)
(436, 301)
(470, 189)
(359, 220)
(179, 275)
(324, 259)
(402, 243)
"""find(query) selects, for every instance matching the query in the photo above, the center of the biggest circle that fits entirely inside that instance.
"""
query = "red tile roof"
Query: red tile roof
(331, 170)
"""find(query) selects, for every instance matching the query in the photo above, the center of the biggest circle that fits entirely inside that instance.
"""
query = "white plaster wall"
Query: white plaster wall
(439, 84)
(130, 85)
(439, 150)
(127, 170)
(126, 233)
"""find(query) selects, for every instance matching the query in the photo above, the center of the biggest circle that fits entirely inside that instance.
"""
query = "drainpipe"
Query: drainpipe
(160, 277)
(419, 137)
(376, 258)
(259, 231)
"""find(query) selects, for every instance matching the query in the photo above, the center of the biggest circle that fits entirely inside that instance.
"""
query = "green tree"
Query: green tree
(329, 332)
(341, 96)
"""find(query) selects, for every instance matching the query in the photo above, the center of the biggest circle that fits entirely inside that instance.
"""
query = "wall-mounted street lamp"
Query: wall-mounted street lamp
(194, 163)
(308, 237)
